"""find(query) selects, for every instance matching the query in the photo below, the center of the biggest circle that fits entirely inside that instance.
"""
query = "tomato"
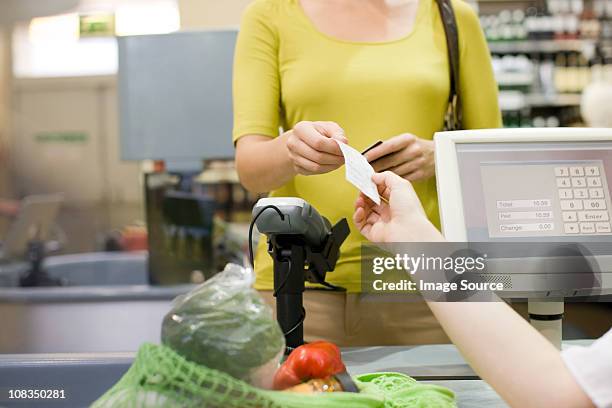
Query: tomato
(320, 359)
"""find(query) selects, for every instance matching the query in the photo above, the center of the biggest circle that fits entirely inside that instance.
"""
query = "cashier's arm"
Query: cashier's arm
(520, 364)
(266, 163)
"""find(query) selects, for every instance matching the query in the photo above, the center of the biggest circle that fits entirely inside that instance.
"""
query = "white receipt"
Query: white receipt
(359, 172)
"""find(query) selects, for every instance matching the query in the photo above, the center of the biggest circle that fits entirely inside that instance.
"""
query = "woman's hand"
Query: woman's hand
(406, 155)
(312, 149)
(401, 220)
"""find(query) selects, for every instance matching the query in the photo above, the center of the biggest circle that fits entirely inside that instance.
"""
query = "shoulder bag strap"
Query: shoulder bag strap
(453, 119)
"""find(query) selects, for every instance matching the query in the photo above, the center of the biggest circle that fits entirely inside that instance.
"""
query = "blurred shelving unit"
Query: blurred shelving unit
(557, 100)
(540, 46)
(545, 52)
(515, 100)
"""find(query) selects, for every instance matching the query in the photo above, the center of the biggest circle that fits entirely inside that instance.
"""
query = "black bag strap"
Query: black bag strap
(453, 119)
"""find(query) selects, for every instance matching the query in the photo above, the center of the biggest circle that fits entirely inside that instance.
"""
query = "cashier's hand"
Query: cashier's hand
(312, 149)
(402, 220)
(406, 155)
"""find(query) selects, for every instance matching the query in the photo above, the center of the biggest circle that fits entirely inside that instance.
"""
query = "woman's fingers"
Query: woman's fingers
(411, 152)
(364, 204)
(406, 168)
(316, 136)
(372, 218)
(389, 180)
(368, 205)
(384, 192)
(331, 129)
(299, 148)
(312, 149)
(416, 175)
(387, 162)
(365, 220)
(359, 217)
(308, 167)
(361, 201)
(390, 146)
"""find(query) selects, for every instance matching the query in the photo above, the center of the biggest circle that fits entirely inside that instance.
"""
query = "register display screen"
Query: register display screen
(531, 190)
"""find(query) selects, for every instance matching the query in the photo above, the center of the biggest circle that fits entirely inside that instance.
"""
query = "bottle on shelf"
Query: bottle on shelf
(561, 74)
(547, 79)
(584, 73)
(572, 75)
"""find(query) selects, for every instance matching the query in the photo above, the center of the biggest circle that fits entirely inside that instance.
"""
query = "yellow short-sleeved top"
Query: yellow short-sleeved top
(286, 71)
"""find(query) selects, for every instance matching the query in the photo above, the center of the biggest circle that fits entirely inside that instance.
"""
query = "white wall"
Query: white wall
(87, 171)
(5, 83)
(211, 13)
(102, 192)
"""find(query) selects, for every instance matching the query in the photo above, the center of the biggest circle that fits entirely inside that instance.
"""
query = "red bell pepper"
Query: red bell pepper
(319, 359)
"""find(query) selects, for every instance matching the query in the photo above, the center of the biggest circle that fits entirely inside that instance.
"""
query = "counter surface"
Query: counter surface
(84, 377)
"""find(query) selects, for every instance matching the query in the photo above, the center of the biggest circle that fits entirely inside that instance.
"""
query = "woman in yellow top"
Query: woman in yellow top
(309, 71)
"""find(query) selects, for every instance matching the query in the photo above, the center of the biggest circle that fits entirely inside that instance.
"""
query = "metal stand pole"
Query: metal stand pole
(289, 289)
(547, 317)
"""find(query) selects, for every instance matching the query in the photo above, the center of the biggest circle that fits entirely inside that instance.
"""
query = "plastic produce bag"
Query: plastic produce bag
(161, 378)
(225, 324)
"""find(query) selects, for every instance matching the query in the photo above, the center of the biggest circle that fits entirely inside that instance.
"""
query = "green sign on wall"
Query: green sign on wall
(61, 137)
(97, 25)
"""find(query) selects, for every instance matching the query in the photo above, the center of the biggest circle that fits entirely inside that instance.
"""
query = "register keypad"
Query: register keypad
(583, 206)
(539, 198)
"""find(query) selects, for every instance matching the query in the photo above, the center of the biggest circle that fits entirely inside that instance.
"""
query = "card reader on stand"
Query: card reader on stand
(304, 247)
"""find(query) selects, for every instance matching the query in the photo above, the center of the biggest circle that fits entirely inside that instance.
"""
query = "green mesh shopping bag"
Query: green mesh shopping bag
(159, 377)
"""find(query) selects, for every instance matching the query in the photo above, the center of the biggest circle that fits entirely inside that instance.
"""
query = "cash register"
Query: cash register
(532, 186)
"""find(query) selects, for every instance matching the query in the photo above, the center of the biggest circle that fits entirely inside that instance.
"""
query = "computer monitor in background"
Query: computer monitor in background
(175, 96)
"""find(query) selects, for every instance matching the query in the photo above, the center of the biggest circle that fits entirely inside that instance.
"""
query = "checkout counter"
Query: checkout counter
(513, 210)
(85, 377)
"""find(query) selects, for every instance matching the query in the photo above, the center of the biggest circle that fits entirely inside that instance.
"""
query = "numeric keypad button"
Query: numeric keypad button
(581, 193)
(576, 171)
(564, 182)
(570, 216)
(568, 205)
(593, 181)
(571, 228)
(587, 228)
(594, 204)
(593, 216)
(591, 171)
(578, 182)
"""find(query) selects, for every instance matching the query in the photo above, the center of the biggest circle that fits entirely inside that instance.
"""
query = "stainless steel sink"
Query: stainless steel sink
(106, 304)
